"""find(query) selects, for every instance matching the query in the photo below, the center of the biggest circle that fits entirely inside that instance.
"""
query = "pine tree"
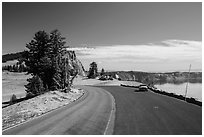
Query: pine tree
(102, 72)
(57, 43)
(57, 47)
(36, 56)
(44, 59)
(35, 86)
(93, 70)
(56, 79)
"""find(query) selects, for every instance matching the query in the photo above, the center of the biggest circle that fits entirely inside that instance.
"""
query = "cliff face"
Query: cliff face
(74, 64)
(158, 78)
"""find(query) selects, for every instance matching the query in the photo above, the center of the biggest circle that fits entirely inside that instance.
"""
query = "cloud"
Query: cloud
(79, 49)
(176, 49)
(182, 43)
(168, 51)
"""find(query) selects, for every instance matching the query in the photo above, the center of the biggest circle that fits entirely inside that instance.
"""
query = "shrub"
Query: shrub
(13, 99)
(29, 95)
(35, 86)
(102, 78)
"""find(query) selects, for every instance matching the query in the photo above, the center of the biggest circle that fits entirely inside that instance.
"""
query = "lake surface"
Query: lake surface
(194, 89)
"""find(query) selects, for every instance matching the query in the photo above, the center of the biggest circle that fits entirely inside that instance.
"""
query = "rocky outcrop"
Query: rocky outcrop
(74, 64)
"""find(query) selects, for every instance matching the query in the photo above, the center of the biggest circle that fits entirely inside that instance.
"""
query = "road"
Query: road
(88, 115)
(144, 113)
(137, 113)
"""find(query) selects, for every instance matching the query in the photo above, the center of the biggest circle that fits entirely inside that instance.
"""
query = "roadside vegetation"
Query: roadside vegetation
(93, 73)
(29, 109)
(15, 68)
(47, 62)
(93, 70)
(44, 60)
(51, 70)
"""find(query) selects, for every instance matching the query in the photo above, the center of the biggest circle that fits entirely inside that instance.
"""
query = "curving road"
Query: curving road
(143, 113)
(137, 113)
(88, 115)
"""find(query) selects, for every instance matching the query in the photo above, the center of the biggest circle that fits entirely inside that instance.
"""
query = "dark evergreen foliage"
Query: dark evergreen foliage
(15, 68)
(102, 72)
(57, 48)
(93, 70)
(45, 60)
(35, 86)
(12, 56)
(13, 99)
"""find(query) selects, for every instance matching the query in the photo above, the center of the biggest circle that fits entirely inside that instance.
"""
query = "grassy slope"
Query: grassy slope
(13, 83)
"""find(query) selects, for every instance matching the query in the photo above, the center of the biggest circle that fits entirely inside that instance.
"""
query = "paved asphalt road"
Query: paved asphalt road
(88, 115)
(150, 113)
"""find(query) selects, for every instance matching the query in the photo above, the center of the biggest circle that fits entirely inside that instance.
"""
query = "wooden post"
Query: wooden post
(187, 81)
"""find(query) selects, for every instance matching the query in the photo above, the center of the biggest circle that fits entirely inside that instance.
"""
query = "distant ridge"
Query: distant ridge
(157, 78)
(12, 56)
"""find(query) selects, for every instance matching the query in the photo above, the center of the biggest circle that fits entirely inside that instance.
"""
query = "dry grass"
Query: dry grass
(25, 110)
(13, 83)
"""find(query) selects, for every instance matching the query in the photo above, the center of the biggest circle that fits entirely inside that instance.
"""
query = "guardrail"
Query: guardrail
(189, 100)
(129, 86)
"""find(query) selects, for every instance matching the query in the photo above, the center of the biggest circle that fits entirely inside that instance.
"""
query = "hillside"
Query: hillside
(154, 78)
(12, 56)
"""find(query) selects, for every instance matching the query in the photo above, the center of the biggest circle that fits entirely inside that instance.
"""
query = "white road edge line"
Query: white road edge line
(111, 120)
(3, 130)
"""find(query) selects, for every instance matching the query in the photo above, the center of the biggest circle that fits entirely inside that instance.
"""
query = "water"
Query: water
(194, 89)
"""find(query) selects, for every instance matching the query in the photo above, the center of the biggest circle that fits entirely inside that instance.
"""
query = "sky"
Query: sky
(151, 37)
